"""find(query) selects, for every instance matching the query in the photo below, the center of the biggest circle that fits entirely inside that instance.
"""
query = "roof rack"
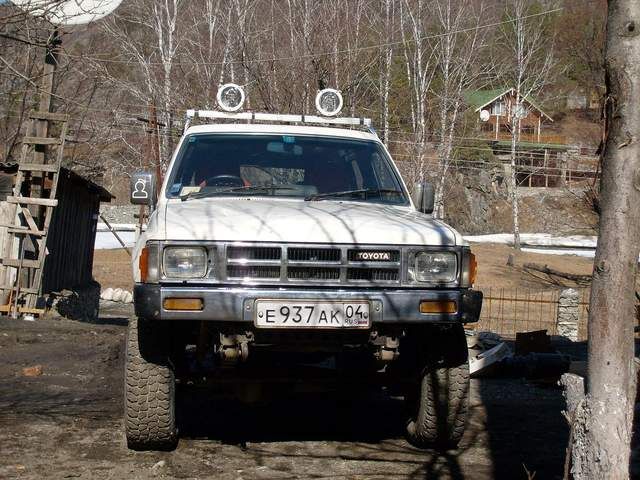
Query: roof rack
(278, 118)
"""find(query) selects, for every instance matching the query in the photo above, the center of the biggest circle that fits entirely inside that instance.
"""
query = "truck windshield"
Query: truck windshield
(314, 168)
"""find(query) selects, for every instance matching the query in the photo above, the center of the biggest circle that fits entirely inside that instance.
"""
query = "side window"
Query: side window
(384, 176)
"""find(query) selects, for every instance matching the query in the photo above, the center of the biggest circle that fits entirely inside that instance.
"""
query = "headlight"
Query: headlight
(433, 267)
(185, 262)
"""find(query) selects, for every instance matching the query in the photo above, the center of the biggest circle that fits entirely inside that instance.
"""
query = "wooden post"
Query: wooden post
(46, 91)
(546, 172)
(602, 437)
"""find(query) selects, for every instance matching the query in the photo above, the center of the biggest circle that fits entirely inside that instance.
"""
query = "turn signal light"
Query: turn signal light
(438, 306)
(473, 268)
(143, 264)
(188, 304)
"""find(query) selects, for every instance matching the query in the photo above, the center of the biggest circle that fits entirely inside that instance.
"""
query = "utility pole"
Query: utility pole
(37, 184)
(604, 418)
(155, 142)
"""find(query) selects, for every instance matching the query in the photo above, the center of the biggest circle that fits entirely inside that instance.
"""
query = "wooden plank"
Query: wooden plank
(15, 262)
(38, 167)
(23, 290)
(53, 117)
(29, 219)
(26, 231)
(35, 311)
(47, 202)
(41, 141)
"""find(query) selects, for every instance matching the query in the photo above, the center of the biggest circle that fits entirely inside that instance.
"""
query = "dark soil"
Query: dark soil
(67, 423)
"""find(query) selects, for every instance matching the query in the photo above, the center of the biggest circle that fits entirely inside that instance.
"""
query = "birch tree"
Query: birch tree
(147, 36)
(420, 58)
(529, 43)
(603, 420)
(459, 68)
(387, 14)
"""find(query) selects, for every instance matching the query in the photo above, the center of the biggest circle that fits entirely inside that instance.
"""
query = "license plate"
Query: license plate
(306, 314)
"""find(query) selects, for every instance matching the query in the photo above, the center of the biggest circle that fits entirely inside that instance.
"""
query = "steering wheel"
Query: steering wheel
(224, 181)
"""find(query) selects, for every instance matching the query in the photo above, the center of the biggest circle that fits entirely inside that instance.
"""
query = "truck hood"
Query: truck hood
(260, 219)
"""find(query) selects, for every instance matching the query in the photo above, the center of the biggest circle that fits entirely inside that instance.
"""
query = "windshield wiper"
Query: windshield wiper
(245, 188)
(364, 191)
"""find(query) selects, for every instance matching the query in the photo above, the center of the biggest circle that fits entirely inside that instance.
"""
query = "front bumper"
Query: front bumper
(236, 304)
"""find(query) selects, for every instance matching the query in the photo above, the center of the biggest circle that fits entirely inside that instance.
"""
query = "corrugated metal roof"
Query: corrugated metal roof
(103, 193)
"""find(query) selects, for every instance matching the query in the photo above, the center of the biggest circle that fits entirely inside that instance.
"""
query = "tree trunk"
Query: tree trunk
(606, 432)
(515, 131)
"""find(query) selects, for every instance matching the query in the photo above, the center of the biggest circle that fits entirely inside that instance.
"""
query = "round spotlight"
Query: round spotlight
(329, 102)
(230, 97)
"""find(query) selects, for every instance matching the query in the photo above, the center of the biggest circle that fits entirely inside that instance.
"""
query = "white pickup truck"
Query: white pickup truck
(277, 241)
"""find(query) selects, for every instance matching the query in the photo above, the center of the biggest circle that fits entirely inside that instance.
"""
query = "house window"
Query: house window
(522, 111)
(498, 108)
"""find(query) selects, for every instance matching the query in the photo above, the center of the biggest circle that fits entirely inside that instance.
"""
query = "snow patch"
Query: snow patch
(537, 240)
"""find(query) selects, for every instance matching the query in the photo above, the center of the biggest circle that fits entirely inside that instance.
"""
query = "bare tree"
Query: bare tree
(387, 16)
(146, 35)
(420, 58)
(529, 42)
(458, 66)
(604, 419)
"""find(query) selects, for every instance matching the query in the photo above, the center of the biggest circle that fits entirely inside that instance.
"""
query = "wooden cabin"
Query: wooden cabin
(494, 109)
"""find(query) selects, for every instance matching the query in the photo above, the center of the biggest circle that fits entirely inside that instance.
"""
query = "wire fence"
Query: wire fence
(509, 311)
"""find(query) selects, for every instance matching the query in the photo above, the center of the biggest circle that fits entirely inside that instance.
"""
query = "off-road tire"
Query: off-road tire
(438, 401)
(149, 388)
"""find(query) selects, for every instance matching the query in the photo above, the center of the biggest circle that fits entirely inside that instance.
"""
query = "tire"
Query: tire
(149, 388)
(437, 402)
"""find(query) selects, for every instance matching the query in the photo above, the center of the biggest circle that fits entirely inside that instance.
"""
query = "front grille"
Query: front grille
(258, 271)
(373, 274)
(254, 253)
(296, 254)
(299, 264)
(313, 273)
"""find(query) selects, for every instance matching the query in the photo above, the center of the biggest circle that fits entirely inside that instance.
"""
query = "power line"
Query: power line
(316, 55)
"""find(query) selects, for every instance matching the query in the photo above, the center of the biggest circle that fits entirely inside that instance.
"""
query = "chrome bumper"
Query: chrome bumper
(232, 304)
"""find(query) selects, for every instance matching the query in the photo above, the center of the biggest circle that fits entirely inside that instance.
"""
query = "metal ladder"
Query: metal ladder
(24, 290)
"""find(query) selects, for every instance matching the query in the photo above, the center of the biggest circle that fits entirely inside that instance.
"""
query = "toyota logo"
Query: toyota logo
(375, 256)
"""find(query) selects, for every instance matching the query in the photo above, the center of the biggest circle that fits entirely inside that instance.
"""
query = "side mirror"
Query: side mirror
(424, 197)
(143, 188)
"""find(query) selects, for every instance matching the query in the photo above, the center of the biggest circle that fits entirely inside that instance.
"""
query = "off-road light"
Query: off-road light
(230, 97)
(329, 102)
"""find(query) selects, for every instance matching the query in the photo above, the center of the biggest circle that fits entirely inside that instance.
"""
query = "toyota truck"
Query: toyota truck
(280, 241)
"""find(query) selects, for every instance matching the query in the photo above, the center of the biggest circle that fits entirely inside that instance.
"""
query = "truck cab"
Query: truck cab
(277, 241)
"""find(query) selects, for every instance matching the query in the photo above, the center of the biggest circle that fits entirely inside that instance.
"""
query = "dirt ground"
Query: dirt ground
(67, 423)
(112, 268)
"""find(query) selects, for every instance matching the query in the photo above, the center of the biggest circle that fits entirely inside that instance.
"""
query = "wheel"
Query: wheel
(149, 388)
(437, 400)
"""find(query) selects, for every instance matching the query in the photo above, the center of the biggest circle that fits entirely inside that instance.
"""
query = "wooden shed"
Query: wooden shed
(72, 233)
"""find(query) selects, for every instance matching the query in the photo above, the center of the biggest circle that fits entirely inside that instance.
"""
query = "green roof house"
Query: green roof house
(494, 110)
